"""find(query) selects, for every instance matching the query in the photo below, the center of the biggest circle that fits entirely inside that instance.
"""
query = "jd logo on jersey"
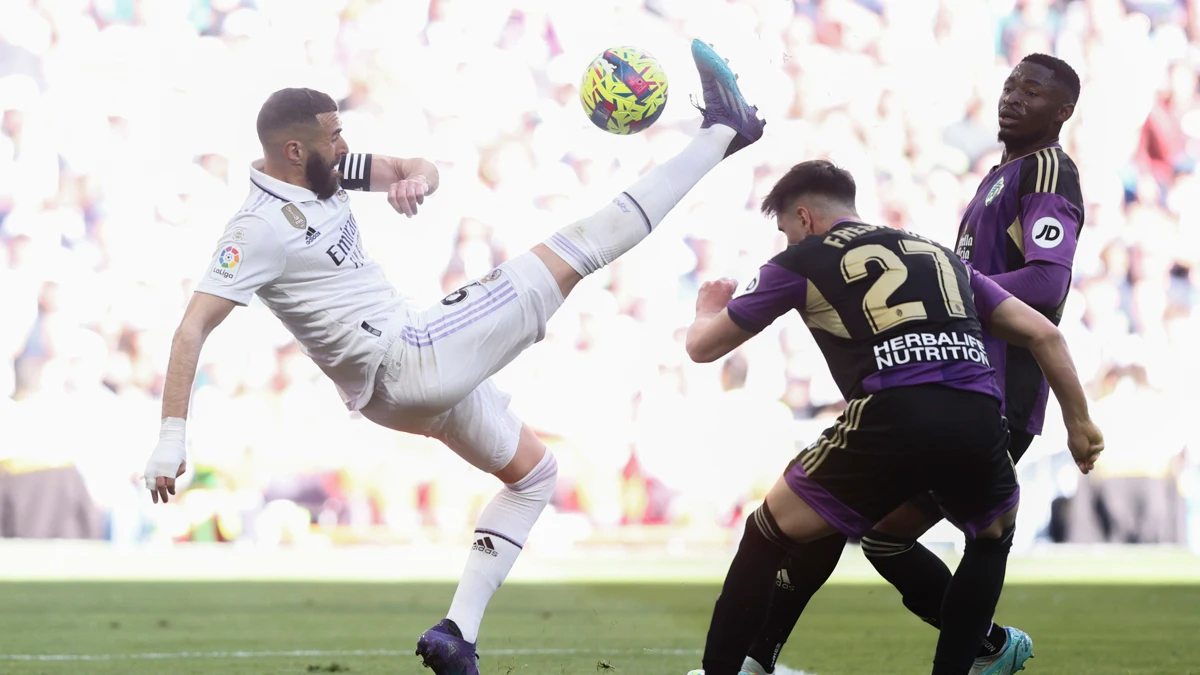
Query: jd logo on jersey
(987, 201)
(297, 219)
(1047, 232)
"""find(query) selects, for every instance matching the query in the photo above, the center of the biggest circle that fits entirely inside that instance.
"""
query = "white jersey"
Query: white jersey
(304, 258)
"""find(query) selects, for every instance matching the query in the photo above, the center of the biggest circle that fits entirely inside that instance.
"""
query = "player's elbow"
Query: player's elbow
(1045, 336)
(705, 351)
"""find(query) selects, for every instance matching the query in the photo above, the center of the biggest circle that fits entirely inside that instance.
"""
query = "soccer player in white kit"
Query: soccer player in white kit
(295, 244)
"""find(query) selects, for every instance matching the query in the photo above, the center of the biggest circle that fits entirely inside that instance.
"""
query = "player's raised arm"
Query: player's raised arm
(168, 461)
(714, 334)
(1015, 322)
(407, 181)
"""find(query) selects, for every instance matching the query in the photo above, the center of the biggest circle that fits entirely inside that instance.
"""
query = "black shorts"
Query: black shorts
(893, 445)
(1018, 444)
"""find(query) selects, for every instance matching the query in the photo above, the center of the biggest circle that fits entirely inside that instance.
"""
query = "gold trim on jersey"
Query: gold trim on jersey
(1017, 233)
(848, 422)
(1047, 171)
(821, 315)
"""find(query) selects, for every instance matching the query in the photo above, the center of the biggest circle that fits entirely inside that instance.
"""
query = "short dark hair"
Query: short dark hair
(1064, 75)
(814, 177)
(291, 107)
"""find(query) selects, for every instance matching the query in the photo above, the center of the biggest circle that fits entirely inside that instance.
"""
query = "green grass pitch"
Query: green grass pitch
(110, 628)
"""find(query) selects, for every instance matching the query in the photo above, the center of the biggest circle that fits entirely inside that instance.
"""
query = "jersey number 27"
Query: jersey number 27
(880, 315)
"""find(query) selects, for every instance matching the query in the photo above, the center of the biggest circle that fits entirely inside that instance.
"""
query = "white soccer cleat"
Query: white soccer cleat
(749, 667)
(752, 667)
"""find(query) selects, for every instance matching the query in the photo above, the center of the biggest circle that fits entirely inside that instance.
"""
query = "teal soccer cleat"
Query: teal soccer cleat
(723, 101)
(1017, 650)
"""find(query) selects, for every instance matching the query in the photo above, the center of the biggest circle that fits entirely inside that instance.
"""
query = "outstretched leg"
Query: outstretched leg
(497, 317)
(730, 124)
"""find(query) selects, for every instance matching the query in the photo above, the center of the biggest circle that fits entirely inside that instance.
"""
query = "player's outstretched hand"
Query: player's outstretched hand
(406, 195)
(1086, 443)
(714, 295)
(167, 462)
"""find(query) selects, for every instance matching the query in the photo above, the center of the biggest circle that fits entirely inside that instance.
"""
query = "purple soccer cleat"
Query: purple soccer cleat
(723, 102)
(443, 649)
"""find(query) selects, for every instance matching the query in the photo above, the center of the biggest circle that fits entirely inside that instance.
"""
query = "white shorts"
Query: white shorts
(434, 379)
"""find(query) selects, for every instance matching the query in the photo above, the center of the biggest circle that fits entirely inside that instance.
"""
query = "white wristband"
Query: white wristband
(172, 429)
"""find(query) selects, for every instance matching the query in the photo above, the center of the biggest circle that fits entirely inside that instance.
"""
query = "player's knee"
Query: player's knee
(1000, 544)
(763, 522)
(996, 537)
(540, 482)
(1001, 527)
(877, 545)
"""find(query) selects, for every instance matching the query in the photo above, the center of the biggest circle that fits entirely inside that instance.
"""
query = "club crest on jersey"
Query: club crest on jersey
(987, 201)
(492, 276)
(341, 196)
(293, 215)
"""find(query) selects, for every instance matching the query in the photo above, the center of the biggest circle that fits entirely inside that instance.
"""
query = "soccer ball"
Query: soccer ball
(624, 90)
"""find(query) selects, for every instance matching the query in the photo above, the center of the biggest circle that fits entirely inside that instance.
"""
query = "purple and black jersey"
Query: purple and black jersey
(887, 308)
(1026, 212)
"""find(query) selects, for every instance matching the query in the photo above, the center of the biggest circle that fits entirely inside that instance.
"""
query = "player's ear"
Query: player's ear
(294, 151)
(804, 217)
(1064, 112)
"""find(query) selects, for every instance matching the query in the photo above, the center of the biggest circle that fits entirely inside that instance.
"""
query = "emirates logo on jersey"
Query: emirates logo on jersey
(987, 201)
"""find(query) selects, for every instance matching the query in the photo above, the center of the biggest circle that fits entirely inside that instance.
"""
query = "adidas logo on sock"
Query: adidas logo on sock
(484, 545)
(784, 581)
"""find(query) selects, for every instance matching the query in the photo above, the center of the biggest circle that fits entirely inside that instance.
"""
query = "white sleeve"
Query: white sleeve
(249, 256)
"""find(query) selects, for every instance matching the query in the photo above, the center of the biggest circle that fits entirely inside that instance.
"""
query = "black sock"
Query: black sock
(798, 579)
(970, 603)
(994, 641)
(742, 605)
(919, 575)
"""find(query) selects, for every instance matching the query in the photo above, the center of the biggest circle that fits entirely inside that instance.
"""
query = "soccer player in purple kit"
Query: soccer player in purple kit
(900, 322)
(1020, 230)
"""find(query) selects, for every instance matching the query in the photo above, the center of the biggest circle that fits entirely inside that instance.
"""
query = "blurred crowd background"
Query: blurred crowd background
(127, 127)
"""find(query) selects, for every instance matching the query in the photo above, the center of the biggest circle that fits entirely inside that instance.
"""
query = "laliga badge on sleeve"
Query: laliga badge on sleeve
(229, 261)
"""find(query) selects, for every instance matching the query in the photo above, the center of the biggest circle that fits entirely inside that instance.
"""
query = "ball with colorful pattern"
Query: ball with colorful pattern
(624, 90)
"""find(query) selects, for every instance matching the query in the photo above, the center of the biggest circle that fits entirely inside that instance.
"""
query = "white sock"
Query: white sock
(601, 238)
(499, 535)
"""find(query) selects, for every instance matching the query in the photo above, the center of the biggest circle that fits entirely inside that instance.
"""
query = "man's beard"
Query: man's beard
(321, 176)
(1013, 137)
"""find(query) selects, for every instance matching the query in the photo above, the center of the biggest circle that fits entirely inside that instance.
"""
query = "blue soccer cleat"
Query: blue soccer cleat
(1018, 649)
(723, 102)
(443, 649)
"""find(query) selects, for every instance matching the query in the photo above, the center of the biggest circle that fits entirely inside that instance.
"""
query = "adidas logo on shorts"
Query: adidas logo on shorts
(484, 546)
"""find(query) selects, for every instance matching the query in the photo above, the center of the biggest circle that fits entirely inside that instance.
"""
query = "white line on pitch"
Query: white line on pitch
(162, 656)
